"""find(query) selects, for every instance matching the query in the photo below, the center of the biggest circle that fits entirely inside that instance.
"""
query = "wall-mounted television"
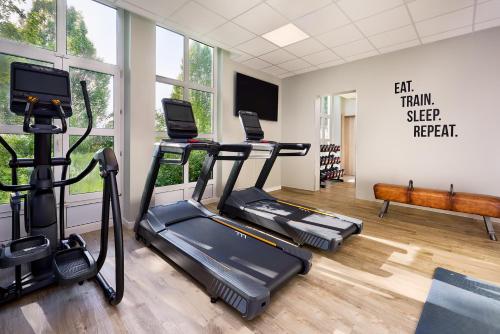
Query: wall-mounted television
(256, 95)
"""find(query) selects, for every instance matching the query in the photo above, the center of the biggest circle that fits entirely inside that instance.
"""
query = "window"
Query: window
(185, 71)
(169, 54)
(100, 89)
(88, 50)
(325, 121)
(200, 63)
(98, 40)
(31, 22)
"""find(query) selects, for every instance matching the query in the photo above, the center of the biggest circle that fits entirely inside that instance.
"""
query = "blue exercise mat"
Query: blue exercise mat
(460, 304)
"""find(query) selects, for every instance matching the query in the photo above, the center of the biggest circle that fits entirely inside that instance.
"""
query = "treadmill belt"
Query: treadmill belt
(302, 216)
(263, 263)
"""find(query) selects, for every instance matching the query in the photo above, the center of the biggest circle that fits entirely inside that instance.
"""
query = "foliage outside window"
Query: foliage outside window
(87, 34)
(81, 157)
(31, 22)
(100, 88)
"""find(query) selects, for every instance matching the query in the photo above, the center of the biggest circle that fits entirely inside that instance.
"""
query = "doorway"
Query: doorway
(337, 127)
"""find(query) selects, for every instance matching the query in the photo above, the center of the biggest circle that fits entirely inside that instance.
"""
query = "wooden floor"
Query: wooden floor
(376, 283)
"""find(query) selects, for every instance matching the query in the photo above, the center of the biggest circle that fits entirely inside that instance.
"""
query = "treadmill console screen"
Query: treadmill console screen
(251, 125)
(179, 119)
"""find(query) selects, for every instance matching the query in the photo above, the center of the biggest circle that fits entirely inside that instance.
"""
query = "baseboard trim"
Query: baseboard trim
(298, 190)
(275, 188)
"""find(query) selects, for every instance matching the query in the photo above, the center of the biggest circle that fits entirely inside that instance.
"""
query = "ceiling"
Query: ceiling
(340, 31)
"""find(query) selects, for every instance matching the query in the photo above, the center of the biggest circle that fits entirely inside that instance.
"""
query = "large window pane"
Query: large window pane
(91, 30)
(7, 117)
(202, 108)
(29, 21)
(165, 91)
(325, 105)
(169, 54)
(169, 174)
(200, 63)
(100, 88)
(23, 145)
(81, 157)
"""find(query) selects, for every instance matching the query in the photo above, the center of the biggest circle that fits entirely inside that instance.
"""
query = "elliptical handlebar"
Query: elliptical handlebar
(64, 170)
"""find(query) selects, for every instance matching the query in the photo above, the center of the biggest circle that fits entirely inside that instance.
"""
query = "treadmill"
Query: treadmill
(304, 225)
(235, 263)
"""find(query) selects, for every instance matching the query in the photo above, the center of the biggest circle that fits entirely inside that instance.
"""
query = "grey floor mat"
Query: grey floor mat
(460, 304)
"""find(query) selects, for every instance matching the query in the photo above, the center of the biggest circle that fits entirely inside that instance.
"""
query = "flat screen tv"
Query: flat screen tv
(257, 96)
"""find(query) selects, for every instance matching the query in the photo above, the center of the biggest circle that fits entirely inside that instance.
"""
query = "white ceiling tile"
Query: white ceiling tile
(261, 19)
(392, 37)
(296, 64)
(305, 47)
(388, 20)
(231, 34)
(239, 56)
(256, 63)
(341, 36)
(133, 8)
(227, 8)
(160, 8)
(447, 34)
(488, 11)
(446, 22)
(425, 9)
(399, 46)
(321, 57)
(305, 70)
(277, 56)
(487, 24)
(331, 63)
(198, 18)
(275, 70)
(257, 46)
(362, 55)
(322, 20)
(354, 48)
(286, 75)
(296, 8)
(358, 9)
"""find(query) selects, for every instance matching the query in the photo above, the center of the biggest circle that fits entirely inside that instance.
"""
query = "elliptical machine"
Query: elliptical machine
(43, 257)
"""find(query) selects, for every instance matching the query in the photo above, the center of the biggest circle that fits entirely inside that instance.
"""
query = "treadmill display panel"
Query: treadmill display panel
(251, 125)
(179, 119)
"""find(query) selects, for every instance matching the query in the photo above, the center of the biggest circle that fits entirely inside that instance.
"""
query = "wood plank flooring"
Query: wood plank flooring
(376, 283)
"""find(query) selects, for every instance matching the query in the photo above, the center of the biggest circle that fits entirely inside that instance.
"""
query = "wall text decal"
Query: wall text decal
(420, 112)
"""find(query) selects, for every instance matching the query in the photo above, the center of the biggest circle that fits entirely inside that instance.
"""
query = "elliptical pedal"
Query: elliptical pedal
(74, 265)
(24, 250)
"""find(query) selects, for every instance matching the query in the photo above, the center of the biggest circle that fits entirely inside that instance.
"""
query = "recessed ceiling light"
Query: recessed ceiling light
(285, 35)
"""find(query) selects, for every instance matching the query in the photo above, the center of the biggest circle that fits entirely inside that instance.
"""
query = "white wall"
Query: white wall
(348, 107)
(463, 76)
(140, 80)
(230, 130)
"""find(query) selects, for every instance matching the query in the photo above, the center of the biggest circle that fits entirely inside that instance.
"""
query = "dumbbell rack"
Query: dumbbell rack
(330, 164)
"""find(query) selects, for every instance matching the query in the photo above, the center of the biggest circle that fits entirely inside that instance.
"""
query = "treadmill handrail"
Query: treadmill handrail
(244, 151)
(183, 149)
(303, 149)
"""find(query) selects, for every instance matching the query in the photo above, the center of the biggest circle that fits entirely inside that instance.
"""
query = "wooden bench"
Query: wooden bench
(483, 205)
